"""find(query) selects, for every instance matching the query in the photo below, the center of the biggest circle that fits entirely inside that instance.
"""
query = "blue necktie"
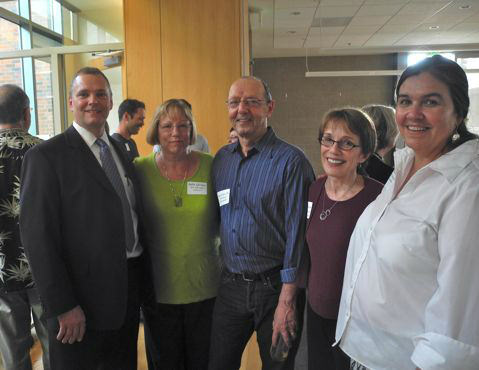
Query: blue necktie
(111, 171)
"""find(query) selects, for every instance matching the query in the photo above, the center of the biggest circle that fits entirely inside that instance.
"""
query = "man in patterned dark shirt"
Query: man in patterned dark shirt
(262, 185)
(18, 297)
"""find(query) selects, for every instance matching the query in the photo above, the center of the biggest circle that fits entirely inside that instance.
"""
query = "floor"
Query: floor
(250, 359)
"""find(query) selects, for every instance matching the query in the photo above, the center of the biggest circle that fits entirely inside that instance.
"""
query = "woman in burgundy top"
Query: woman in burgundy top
(336, 200)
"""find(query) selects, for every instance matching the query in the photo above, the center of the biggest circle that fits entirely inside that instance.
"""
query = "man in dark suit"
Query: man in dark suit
(79, 227)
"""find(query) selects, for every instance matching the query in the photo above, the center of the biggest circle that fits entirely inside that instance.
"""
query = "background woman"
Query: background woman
(387, 133)
(410, 294)
(182, 230)
(347, 138)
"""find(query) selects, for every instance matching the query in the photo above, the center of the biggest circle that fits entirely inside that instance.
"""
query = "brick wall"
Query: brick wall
(11, 72)
(301, 102)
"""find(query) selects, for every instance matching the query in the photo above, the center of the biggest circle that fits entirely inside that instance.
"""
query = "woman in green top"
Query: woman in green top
(181, 224)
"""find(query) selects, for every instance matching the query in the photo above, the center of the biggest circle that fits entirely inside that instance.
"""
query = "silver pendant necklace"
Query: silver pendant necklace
(326, 212)
(177, 198)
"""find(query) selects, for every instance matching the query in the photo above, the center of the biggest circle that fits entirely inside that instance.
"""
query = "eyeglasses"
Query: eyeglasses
(250, 103)
(168, 127)
(342, 144)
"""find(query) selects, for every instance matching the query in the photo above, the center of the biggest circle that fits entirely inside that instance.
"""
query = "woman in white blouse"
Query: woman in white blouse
(410, 296)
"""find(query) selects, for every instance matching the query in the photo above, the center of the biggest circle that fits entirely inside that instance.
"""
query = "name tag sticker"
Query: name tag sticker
(310, 207)
(224, 197)
(197, 188)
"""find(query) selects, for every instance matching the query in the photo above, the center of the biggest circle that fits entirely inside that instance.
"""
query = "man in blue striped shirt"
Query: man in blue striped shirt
(262, 186)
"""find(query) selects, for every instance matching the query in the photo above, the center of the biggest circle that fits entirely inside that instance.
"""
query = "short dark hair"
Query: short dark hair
(129, 106)
(13, 102)
(453, 76)
(90, 71)
(358, 122)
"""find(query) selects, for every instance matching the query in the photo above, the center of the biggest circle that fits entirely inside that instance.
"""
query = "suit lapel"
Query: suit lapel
(85, 158)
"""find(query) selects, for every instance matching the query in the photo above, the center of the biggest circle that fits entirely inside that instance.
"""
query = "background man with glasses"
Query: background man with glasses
(262, 186)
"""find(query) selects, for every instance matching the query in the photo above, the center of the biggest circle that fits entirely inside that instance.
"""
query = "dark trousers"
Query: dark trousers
(241, 308)
(106, 349)
(321, 355)
(179, 335)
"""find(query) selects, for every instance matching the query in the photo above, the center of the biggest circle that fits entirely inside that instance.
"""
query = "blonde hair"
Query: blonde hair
(165, 109)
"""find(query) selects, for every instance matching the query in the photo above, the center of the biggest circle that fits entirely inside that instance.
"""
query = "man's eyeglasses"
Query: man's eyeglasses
(342, 144)
(250, 103)
(168, 127)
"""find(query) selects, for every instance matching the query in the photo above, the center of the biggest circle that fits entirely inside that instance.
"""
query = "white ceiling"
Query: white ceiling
(339, 27)
(108, 14)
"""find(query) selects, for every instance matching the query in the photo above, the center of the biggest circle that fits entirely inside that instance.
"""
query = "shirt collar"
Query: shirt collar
(268, 138)
(88, 137)
(449, 164)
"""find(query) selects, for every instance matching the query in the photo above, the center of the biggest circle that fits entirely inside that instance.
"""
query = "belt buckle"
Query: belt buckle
(246, 278)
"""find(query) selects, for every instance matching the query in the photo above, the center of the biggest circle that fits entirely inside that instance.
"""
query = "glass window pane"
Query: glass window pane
(42, 12)
(9, 36)
(473, 118)
(473, 79)
(11, 72)
(44, 97)
(10, 5)
(41, 41)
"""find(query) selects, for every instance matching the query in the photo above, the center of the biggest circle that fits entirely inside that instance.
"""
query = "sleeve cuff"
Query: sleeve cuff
(438, 352)
(288, 275)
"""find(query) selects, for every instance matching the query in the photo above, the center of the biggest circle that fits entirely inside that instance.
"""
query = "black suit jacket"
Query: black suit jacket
(71, 225)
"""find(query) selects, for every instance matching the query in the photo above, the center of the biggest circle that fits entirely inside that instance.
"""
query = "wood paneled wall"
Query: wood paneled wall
(184, 49)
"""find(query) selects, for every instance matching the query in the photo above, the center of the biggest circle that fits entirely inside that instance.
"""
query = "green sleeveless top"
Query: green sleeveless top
(183, 242)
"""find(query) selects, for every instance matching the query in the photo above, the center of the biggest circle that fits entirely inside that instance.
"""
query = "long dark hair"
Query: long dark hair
(454, 77)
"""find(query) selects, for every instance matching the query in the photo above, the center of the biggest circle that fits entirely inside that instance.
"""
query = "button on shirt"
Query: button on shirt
(263, 217)
(90, 140)
(410, 295)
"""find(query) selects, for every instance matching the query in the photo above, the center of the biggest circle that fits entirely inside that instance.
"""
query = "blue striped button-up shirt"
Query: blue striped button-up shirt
(263, 217)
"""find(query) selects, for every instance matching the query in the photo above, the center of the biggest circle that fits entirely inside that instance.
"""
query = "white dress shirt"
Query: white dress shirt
(411, 287)
(90, 140)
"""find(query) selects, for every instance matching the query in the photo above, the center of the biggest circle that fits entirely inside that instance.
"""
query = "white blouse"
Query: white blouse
(411, 287)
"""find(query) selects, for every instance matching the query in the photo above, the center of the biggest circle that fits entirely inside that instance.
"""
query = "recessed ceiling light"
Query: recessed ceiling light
(295, 13)
(433, 28)
(465, 7)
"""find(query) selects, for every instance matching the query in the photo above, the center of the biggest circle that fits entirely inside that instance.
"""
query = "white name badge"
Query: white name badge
(197, 188)
(310, 207)
(224, 197)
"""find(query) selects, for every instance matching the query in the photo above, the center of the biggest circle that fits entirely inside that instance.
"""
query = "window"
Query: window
(63, 36)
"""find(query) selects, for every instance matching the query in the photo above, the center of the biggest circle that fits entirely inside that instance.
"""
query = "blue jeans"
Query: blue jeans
(243, 307)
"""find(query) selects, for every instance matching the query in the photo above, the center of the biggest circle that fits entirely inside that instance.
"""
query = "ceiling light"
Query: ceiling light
(465, 7)
(433, 28)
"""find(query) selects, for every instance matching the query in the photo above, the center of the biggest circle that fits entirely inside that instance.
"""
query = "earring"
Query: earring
(455, 135)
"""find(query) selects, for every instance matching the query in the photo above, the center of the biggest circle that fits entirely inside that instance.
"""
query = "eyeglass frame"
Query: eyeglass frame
(339, 142)
(180, 127)
(249, 102)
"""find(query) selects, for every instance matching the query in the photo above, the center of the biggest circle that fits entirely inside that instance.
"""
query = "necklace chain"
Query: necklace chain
(326, 212)
(177, 198)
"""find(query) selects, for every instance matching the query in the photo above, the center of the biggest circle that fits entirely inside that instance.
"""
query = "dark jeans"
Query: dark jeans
(179, 335)
(103, 350)
(241, 308)
(321, 354)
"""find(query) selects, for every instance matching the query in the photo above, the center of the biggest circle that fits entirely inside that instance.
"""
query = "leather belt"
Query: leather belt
(252, 276)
